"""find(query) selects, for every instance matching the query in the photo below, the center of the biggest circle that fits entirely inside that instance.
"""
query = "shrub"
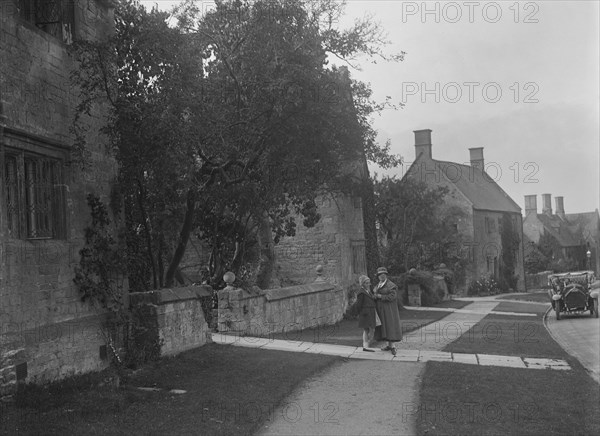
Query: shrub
(351, 293)
(431, 294)
(484, 286)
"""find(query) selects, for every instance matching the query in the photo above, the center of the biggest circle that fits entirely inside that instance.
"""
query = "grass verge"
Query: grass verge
(538, 297)
(485, 400)
(228, 390)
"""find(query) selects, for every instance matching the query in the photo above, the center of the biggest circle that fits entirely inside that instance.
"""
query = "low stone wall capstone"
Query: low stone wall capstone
(177, 315)
(280, 310)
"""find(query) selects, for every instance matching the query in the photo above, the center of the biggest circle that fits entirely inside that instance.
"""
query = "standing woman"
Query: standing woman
(367, 317)
(386, 295)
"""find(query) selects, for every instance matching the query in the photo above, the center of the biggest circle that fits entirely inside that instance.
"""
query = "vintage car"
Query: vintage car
(574, 292)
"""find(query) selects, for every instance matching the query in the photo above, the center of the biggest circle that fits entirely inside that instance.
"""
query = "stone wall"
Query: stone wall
(336, 242)
(537, 281)
(46, 332)
(280, 310)
(178, 316)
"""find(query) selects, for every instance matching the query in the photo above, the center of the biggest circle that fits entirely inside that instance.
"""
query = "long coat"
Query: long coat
(366, 309)
(387, 308)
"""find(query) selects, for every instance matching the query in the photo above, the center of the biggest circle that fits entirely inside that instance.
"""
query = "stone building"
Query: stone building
(476, 204)
(337, 242)
(575, 233)
(46, 331)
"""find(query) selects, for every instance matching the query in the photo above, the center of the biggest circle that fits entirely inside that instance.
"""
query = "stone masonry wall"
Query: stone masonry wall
(329, 243)
(179, 316)
(280, 310)
(46, 332)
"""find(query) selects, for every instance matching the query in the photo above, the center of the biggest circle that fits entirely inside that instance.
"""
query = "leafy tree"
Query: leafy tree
(209, 112)
(535, 260)
(416, 234)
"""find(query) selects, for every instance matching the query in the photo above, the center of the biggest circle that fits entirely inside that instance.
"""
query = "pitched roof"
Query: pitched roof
(588, 223)
(560, 230)
(476, 185)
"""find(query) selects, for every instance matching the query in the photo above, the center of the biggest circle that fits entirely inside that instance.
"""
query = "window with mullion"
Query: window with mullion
(34, 196)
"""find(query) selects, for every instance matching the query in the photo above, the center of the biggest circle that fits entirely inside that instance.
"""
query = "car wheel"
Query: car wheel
(557, 309)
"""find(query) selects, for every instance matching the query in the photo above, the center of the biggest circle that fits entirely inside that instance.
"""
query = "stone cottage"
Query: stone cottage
(477, 205)
(576, 234)
(46, 332)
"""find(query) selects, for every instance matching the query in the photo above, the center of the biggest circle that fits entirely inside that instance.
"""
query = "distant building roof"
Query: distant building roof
(560, 230)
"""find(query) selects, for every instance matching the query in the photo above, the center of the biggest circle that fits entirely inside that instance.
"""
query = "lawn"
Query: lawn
(484, 400)
(228, 390)
(539, 297)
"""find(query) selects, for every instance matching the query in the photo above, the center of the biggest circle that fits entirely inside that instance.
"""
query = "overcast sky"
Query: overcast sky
(541, 134)
(520, 79)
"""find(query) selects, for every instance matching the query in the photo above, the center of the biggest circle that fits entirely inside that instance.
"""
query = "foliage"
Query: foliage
(535, 260)
(100, 277)
(484, 286)
(416, 233)
(228, 124)
(100, 271)
(351, 311)
(431, 294)
(547, 255)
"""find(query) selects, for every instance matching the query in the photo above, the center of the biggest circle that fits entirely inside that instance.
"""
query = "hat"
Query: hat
(381, 270)
(362, 279)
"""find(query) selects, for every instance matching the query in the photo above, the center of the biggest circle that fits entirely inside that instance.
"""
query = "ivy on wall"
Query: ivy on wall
(130, 333)
(508, 259)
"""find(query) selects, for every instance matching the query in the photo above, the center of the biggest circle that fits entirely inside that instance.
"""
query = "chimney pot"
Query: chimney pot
(422, 143)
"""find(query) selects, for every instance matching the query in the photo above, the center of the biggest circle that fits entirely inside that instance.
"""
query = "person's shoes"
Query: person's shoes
(394, 351)
(386, 348)
(368, 349)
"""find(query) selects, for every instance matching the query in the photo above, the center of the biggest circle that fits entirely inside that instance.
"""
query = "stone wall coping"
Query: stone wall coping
(294, 291)
(171, 295)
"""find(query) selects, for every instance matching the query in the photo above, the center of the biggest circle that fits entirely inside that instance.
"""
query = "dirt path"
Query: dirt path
(353, 398)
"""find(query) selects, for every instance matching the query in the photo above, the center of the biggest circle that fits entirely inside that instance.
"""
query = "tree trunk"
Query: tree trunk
(266, 264)
(370, 229)
(184, 237)
(141, 197)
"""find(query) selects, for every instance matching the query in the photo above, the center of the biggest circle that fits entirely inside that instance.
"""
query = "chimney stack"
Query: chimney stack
(423, 143)
(560, 207)
(476, 155)
(546, 205)
(530, 204)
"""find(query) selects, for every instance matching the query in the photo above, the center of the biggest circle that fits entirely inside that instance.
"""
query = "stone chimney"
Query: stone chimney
(546, 204)
(530, 204)
(476, 157)
(423, 143)
(560, 207)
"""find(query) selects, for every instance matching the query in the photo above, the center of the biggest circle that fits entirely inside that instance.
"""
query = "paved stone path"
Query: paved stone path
(429, 352)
